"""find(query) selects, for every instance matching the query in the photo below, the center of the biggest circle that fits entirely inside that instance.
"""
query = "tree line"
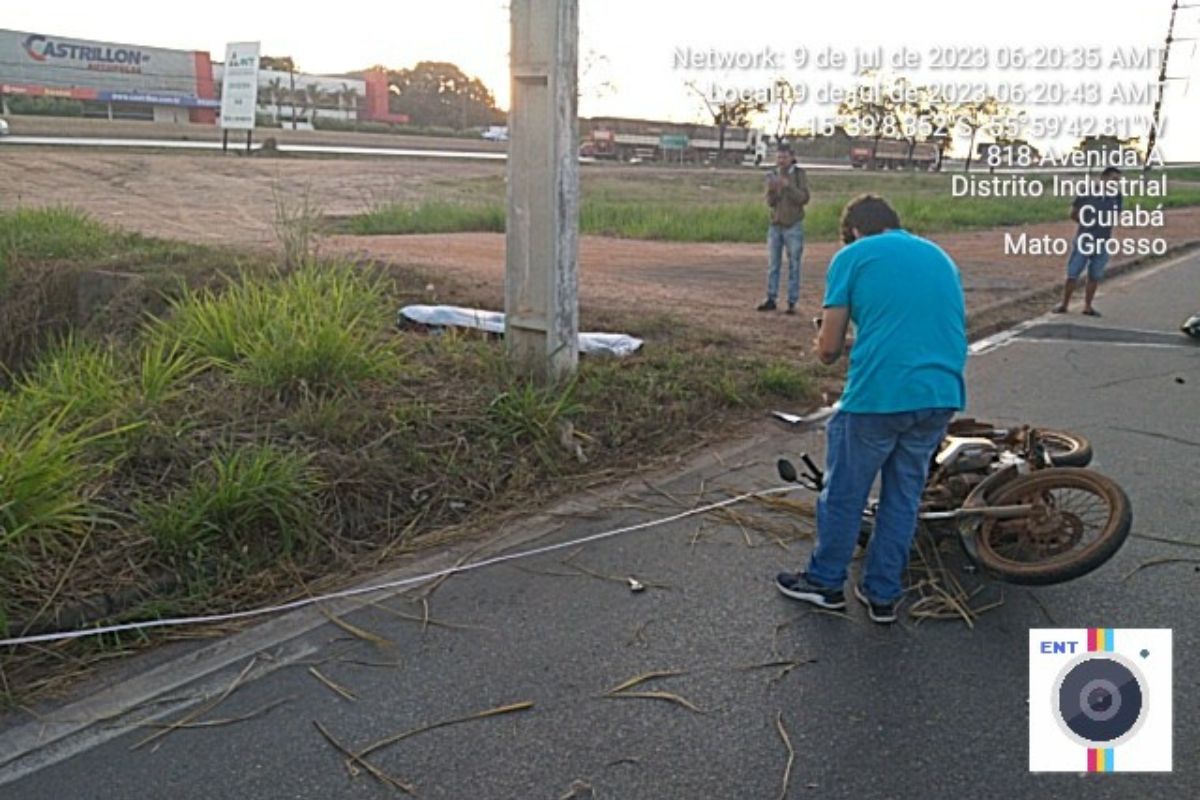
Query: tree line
(929, 119)
(431, 94)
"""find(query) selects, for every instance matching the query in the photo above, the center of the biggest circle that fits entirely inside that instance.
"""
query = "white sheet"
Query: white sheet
(612, 344)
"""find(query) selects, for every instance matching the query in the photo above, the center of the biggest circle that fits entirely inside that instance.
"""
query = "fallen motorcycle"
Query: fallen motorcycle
(1018, 499)
(1040, 447)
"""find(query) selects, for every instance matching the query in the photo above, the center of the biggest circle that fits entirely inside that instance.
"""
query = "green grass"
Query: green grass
(1184, 173)
(45, 256)
(786, 381)
(313, 354)
(728, 207)
(61, 234)
(50, 234)
(217, 325)
(430, 217)
(253, 503)
(80, 381)
(671, 222)
(529, 415)
(316, 329)
(98, 388)
(276, 423)
(333, 419)
(164, 369)
(46, 501)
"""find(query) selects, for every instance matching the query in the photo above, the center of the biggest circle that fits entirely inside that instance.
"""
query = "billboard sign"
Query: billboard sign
(93, 56)
(42, 59)
(239, 87)
(150, 98)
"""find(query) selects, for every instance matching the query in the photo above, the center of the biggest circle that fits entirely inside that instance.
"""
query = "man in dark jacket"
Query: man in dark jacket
(787, 194)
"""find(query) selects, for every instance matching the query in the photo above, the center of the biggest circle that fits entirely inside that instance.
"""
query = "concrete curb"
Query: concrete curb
(76, 727)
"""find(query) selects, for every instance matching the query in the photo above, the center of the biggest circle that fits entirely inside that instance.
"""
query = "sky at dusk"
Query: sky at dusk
(629, 48)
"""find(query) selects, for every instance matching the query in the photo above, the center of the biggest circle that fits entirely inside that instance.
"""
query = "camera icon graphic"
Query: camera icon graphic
(1100, 700)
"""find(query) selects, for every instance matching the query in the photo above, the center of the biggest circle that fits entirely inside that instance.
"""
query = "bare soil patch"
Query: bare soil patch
(211, 198)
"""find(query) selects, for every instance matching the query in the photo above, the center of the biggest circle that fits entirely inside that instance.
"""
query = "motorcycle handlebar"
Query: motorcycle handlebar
(814, 472)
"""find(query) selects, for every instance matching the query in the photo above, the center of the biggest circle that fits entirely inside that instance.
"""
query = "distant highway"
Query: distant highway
(950, 167)
(306, 149)
(192, 144)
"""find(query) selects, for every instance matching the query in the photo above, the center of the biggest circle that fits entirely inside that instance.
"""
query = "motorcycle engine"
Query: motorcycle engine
(961, 454)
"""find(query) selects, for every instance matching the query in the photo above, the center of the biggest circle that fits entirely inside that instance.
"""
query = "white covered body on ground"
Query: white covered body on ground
(611, 344)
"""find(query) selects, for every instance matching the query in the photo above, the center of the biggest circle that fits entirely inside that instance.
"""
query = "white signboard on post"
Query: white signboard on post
(239, 88)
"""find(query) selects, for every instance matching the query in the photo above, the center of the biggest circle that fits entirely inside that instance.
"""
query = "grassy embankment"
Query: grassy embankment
(270, 428)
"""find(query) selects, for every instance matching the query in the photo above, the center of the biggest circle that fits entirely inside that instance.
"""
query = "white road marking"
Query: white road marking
(1005, 337)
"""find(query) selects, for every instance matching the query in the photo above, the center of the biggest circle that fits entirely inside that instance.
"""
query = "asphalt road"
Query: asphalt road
(930, 711)
(235, 145)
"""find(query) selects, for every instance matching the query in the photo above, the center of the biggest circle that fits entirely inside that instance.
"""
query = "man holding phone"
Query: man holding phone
(787, 194)
(906, 380)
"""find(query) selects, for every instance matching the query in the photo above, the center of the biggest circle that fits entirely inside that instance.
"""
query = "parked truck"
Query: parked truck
(894, 154)
(631, 140)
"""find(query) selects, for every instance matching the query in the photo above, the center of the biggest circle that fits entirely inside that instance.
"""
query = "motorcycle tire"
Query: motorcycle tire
(1052, 535)
(1066, 449)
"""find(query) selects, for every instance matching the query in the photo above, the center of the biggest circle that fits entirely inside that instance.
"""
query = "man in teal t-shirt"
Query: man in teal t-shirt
(904, 296)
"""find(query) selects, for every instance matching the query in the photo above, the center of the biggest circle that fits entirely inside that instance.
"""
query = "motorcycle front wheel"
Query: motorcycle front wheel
(1078, 519)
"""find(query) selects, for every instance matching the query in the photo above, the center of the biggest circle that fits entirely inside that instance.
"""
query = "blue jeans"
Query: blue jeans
(777, 237)
(859, 447)
(1094, 263)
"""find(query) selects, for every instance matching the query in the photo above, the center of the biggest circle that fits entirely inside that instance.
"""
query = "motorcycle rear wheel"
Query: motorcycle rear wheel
(1080, 519)
(1065, 449)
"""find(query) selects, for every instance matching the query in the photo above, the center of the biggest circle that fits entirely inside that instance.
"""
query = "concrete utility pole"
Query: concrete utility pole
(1152, 138)
(541, 328)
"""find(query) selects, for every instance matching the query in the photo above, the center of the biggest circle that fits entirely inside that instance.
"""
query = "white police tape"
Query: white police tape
(390, 585)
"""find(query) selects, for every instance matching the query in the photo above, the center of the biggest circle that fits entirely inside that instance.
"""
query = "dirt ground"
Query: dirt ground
(211, 198)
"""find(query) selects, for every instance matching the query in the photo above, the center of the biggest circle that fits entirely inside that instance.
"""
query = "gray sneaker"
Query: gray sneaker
(797, 586)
